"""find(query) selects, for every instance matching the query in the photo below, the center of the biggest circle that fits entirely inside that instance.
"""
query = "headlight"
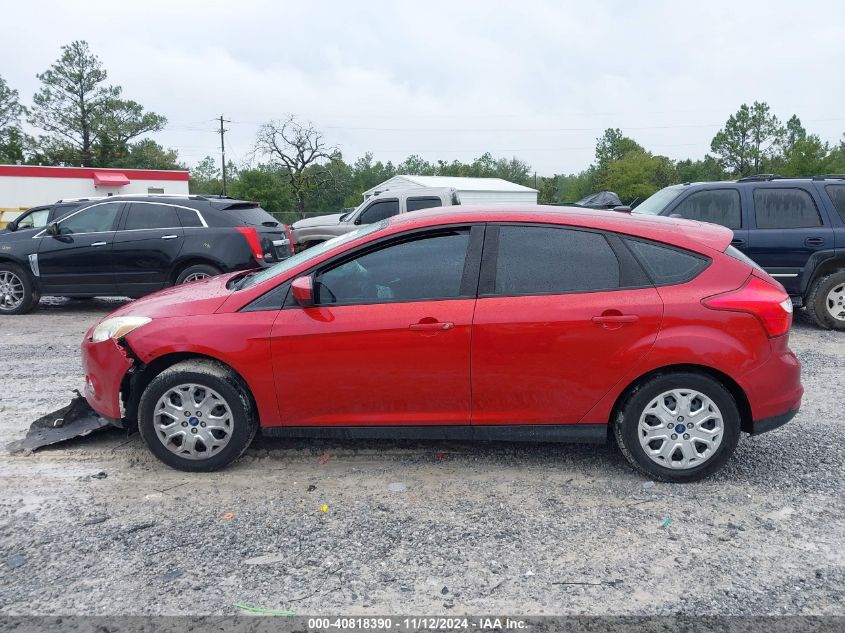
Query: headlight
(117, 327)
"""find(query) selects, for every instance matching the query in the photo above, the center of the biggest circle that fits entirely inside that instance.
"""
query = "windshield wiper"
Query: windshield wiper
(238, 283)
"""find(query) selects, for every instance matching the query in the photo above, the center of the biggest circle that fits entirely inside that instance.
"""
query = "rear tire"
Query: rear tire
(689, 412)
(196, 273)
(826, 301)
(18, 294)
(197, 416)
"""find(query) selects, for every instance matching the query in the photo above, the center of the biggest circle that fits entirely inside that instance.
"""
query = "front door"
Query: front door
(554, 328)
(789, 230)
(388, 342)
(77, 260)
(146, 247)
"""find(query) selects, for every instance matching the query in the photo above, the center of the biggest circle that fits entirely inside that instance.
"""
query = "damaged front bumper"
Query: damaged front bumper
(105, 364)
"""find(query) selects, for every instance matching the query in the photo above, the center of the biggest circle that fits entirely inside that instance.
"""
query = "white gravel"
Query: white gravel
(411, 527)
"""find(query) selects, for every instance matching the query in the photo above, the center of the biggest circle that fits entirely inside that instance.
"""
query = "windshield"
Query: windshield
(659, 201)
(303, 256)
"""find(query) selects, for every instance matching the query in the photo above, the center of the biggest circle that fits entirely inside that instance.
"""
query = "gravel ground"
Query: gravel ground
(411, 527)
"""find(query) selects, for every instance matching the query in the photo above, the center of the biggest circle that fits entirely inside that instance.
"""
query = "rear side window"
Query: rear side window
(415, 204)
(719, 206)
(188, 217)
(150, 216)
(837, 196)
(536, 260)
(667, 265)
(378, 211)
(785, 209)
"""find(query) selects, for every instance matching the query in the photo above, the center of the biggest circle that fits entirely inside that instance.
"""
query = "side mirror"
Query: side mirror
(12, 226)
(622, 208)
(675, 215)
(303, 291)
(53, 228)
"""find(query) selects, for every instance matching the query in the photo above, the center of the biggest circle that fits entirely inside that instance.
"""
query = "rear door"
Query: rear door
(788, 230)
(78, 260)
(721, 206)
(559, 320)
(145, 247)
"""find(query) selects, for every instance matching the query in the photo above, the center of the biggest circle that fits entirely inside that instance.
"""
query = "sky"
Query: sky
(449, 80)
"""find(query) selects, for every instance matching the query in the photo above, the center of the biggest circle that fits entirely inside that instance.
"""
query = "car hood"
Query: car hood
(191, 299)
(17, 236)
(320, 220)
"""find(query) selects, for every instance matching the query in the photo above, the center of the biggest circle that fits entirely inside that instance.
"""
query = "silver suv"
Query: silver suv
(383, 204)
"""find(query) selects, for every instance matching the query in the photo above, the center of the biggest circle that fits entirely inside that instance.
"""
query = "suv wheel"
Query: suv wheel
(826, 301)
(17, 291)
(678, 427)
(197, 272)
(197, 416)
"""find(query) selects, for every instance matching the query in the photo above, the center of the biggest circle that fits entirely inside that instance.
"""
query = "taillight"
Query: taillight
(769, 304)
(290, 239)
(251, 235)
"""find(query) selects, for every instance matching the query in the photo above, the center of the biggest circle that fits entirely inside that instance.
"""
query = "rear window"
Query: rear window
(667, 265)
(251, 215)
(415, 204)
(837, 196)
(745, 259)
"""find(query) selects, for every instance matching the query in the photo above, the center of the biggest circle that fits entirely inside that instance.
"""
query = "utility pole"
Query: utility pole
(223, 150)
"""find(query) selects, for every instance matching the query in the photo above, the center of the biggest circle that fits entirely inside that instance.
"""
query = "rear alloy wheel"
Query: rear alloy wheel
(826, 301)
(17, 292)
(197, 416)
(197, 272)
(678, 427)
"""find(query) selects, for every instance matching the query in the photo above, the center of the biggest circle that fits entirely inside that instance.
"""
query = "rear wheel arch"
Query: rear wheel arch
(825, 268)
(729, 383)
(136, 382)
(183, 264)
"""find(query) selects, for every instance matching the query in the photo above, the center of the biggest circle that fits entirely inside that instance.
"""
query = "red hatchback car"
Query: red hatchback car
(536, 323)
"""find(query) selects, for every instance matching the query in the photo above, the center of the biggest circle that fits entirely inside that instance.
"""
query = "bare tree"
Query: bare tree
(300, 151)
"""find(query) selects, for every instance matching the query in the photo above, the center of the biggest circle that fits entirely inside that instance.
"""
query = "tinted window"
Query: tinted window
(100, 217)
(719, 206)
(61, 210)
(666, 265)
(188, 217)
(837, 196)
(544, 260)
(151, 216)
(428, 267)
(34, 219)
(379, 211)
(785, 209)
(251, 215)
(414, 204)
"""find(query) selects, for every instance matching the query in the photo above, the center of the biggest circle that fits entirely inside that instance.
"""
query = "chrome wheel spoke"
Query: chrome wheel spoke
(11, 290)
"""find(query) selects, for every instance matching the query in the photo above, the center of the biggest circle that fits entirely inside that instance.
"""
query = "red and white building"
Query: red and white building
(25, 186)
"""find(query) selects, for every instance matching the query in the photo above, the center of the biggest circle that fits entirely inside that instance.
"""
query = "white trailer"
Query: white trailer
(486, 191)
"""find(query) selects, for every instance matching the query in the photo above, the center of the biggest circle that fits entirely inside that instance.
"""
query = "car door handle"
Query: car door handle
(737, 242)
(615, 319)
(431, 326)
(169, 237)
(814, 241)
(99, 243)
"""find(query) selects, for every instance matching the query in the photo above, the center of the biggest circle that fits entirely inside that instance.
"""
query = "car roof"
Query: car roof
(689, 234)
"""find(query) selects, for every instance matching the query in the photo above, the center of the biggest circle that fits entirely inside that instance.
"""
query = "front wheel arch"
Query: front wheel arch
(729, 383)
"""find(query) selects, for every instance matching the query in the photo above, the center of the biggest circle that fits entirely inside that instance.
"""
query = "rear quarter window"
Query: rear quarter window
(837, 197)
(667, 265)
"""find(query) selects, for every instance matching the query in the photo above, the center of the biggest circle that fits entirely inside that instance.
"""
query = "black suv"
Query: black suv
(134, 245)
(794, 228)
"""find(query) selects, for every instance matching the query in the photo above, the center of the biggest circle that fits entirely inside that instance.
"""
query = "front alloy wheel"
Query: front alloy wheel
(12, 292)
(193, 421)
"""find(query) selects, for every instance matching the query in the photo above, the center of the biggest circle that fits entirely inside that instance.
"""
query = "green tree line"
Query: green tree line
(82, 118)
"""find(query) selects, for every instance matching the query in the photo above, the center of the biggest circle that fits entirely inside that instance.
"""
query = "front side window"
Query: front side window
(95, 219)
(151, 216)
(785, 208)
(34, 219)
(418, 269)
(546, 260)
(378, 211)
(719, 206)
(415, 204)
(837, 196)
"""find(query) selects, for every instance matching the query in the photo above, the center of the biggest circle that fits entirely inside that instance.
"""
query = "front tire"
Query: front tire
(678, 427)
(197, 416)
(18, 294)
(826, 301)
